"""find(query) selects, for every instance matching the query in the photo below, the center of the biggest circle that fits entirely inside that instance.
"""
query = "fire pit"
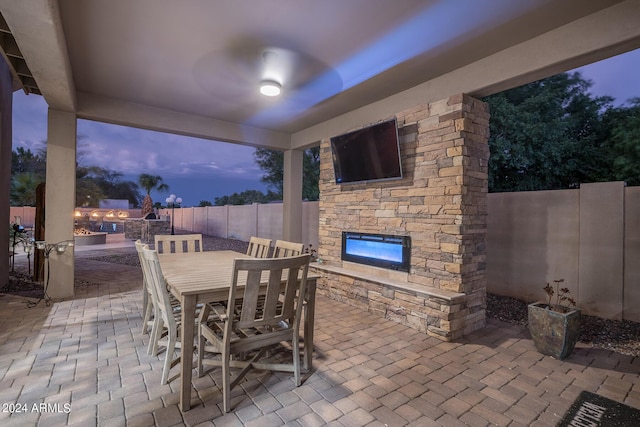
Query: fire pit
(84, 237)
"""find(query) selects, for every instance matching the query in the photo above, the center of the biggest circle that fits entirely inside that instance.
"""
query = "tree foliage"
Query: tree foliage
(152, 182)
(23, 189)
(624, 125)
(25, 161)
(548, 134)
(27, 171)
(272, 164)
(92, 183)
(247, 197)
(149, 183)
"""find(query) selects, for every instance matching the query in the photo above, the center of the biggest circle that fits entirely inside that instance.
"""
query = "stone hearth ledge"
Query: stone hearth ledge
(408, 287)
(437, 312)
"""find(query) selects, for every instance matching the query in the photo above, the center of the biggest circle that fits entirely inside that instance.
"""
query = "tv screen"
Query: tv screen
(368, 154)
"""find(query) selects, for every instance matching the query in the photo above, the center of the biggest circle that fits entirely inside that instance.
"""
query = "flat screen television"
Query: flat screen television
(368, 154)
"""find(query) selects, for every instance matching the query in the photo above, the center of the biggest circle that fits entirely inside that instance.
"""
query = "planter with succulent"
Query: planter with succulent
(555, 327)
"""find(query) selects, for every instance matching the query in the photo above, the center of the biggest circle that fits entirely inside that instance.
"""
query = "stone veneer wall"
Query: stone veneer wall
(145, 229)
(441, 203)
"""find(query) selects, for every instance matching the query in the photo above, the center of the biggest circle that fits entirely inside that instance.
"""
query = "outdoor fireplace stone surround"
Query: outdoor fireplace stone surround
(441, 203)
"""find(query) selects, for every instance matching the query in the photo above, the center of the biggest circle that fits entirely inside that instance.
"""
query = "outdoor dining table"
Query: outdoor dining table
(203, 277)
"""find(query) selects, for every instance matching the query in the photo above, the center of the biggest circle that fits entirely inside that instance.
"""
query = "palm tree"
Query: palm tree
(150, 182)
(23, 189)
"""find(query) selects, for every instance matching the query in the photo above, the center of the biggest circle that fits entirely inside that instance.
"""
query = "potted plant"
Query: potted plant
(555, 327)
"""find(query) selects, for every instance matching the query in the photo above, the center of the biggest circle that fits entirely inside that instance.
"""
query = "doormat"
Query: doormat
(593, 410)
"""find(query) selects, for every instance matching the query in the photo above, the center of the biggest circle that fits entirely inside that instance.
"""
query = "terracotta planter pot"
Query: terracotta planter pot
(553, 333)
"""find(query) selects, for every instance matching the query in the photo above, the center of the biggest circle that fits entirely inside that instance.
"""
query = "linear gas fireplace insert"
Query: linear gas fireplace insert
(378, 250)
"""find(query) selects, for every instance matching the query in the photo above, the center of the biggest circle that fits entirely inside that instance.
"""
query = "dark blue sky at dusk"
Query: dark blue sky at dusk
(197, 169)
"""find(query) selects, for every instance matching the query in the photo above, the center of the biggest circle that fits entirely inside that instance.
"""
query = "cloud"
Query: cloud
(135, 151)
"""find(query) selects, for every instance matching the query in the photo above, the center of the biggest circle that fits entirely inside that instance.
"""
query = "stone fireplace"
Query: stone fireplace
(439, 206)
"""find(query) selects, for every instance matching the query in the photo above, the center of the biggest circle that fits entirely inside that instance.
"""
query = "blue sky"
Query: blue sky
(197, 169)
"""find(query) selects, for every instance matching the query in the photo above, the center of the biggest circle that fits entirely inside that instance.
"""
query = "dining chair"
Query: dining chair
(149, 302)
(178, 243)
(147, 298)
(285, 249)
(271, 293)
(165, 330)
(259, 247)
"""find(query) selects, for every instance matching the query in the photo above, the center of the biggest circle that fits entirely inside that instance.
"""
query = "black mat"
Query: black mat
(593, 410)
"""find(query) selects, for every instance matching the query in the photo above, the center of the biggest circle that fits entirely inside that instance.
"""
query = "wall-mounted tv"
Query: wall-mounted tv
(368, 154)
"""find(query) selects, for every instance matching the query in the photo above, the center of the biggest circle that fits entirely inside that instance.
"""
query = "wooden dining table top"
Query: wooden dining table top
(193, 273)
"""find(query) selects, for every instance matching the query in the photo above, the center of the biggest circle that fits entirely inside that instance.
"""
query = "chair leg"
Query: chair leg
(145, 310)
(168, 358)
(201, 341)
(226, 381)
(157, 334)
(148, 310)
(296, 359)
(154, 336)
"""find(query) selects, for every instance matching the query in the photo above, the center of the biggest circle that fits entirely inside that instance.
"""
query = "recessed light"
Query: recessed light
(270, 88)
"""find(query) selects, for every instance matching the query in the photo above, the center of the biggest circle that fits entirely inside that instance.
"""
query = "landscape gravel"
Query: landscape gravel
(621, 336)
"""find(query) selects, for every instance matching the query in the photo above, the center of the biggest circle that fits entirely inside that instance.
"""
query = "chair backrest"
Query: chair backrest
(146, 275)
(143, 264)
(178, 243)
(273, 290)
(285, 249)
(259, 247)
(159, 287)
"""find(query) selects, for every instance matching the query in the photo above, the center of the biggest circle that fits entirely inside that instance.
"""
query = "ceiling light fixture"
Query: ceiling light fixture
(270, 88)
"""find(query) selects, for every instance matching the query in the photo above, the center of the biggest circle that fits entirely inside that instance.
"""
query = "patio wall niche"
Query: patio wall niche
(441, 203)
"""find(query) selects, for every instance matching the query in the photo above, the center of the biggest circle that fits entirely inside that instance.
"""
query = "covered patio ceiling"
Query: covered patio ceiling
(193, 67)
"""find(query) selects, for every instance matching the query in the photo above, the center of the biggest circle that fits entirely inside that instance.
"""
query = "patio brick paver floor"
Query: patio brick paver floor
(89, 354)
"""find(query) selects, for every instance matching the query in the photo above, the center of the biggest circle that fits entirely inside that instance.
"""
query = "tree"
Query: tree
(247, 197)
(547, 134)
(93, 183)
(624, 124)
(27, 171)
(88, 193)
(113, 187)
(311, 174)
(272, 163)
(23, 161)
(204, 203)
(149, 183)
(23, 189)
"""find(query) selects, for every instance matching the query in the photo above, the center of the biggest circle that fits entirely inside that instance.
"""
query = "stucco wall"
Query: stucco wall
(631, 293)
(588, 236)
(242, 222)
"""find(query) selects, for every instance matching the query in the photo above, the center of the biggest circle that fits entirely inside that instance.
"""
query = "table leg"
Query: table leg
(186, 357)
(309, 319)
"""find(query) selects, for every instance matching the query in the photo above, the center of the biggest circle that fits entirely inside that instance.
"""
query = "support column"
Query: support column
(60, 200)
(6, 93)
(292, 196)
